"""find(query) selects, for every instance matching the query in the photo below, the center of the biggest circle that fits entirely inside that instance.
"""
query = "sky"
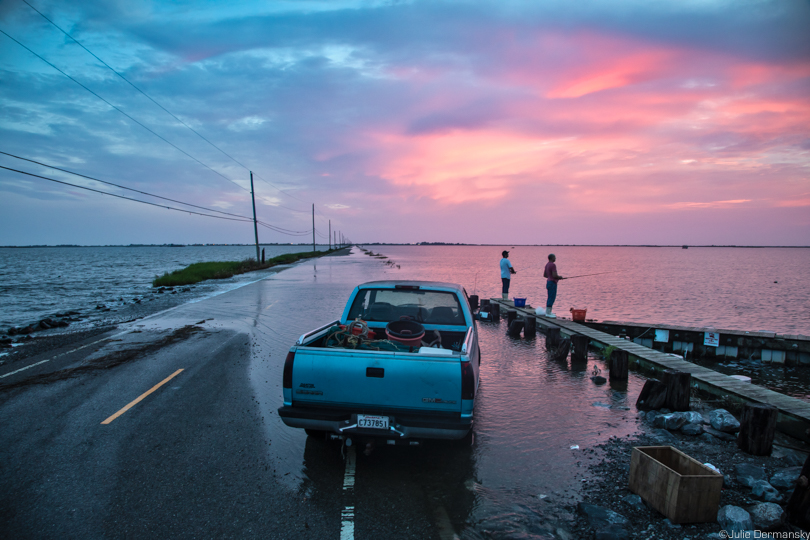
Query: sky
(493, 122)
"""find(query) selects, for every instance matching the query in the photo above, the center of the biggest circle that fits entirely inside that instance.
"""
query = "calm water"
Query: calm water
(38, 282)
(734, 288)
(725, 288)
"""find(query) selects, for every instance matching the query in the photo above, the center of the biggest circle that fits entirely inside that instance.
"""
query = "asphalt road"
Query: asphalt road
(203, 455)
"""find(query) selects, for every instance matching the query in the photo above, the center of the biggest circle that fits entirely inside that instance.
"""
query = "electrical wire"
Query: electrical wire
(235, 217)
(121, 196)
(122, 112)
(122, 187)
(303, 233)
(91, 53)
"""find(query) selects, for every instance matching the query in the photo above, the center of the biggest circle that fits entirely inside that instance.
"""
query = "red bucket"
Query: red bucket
(408, 333)
(578, 314)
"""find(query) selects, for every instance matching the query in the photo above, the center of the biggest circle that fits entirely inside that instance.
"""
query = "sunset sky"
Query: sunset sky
(505, 122)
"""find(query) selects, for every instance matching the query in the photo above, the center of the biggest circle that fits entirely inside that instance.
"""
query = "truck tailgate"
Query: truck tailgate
(374, 380)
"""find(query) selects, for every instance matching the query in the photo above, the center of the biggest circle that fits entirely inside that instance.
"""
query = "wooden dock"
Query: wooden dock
(794, 414)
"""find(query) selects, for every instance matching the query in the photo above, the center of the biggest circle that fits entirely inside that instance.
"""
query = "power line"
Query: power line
(282, 229)
(305, 233)
(236, 217)
(120, 196)
(120, 186)
(159, 105)
(122, 112)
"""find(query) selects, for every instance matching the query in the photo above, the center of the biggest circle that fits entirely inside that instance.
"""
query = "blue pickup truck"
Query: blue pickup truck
(400, 365)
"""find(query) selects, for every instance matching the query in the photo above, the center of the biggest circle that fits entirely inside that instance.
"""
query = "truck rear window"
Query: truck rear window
(428, 307)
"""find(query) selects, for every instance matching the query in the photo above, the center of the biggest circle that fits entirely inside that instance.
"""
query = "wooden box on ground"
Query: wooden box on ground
(681, 488)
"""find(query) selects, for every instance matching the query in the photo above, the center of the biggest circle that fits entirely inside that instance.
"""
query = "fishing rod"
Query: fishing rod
(597, 274)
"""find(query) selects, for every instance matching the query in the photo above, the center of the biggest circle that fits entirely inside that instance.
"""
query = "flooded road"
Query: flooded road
(521, 470)
(536, 422)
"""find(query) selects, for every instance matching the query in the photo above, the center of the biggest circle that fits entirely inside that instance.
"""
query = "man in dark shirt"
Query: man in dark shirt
(550, 273)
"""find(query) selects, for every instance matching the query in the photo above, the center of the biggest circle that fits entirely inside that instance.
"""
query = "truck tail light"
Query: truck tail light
(288, 366)
(467, 381)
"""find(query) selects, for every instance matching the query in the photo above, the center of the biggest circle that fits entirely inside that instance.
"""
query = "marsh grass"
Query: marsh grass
(197, 272)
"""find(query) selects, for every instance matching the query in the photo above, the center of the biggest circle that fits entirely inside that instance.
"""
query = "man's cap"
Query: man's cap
(505, 253)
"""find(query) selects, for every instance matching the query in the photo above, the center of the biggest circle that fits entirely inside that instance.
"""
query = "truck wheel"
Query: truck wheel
(316, 433)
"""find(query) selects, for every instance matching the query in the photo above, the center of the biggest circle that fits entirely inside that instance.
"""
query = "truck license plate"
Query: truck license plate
(372, 422)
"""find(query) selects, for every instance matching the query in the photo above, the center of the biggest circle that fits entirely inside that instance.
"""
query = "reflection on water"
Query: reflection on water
(530, 412)
(791, 381)
(718, 287)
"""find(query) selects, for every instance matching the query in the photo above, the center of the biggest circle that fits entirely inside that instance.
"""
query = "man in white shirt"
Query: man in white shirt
(506, 274)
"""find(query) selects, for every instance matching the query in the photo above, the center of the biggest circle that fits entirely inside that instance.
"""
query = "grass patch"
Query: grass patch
(197, 272)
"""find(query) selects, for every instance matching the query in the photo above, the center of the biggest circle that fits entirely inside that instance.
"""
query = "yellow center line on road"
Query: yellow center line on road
(139, 398)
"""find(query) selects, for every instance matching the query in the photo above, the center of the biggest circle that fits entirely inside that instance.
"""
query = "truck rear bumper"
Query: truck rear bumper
(402, 424)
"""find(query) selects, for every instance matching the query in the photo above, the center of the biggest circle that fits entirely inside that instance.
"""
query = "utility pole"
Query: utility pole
(313, 227)
(255, 226)
(330, 235)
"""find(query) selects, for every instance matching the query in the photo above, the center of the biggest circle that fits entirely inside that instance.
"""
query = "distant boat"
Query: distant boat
(685, 247)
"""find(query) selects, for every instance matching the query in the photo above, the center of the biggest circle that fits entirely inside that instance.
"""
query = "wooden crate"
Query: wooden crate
(681, 488)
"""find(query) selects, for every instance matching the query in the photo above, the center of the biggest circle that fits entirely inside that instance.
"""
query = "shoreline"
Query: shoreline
(107, 318)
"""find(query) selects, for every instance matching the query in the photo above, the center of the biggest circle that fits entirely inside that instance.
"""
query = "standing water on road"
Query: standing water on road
(537, 421)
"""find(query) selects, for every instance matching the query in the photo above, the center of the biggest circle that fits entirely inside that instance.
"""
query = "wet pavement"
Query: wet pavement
(206, 454)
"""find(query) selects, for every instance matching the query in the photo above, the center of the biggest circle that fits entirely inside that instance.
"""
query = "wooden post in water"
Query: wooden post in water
(529, 326)
(495, 309)
(515, 327)
(474, 302)
(511, 315)
(757, 428)
(798, 506)
(580, 351)
(485, 305)
(653, 396)
(560, 352)
(678, 385)
(552, 337)
(619, 365)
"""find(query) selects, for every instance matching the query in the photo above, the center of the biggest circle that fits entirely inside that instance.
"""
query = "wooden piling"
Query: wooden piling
(495, 309)
(515, 327)
(552, 337)
(798, 506)
(529, 326)
(511, 315)
(678, 385)
(560, 352)
(474, 302)
(619, 365)
(580, 350)
(757, 428)
(653, 396)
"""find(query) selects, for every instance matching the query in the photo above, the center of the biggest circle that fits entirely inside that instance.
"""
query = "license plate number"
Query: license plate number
(372, 422)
